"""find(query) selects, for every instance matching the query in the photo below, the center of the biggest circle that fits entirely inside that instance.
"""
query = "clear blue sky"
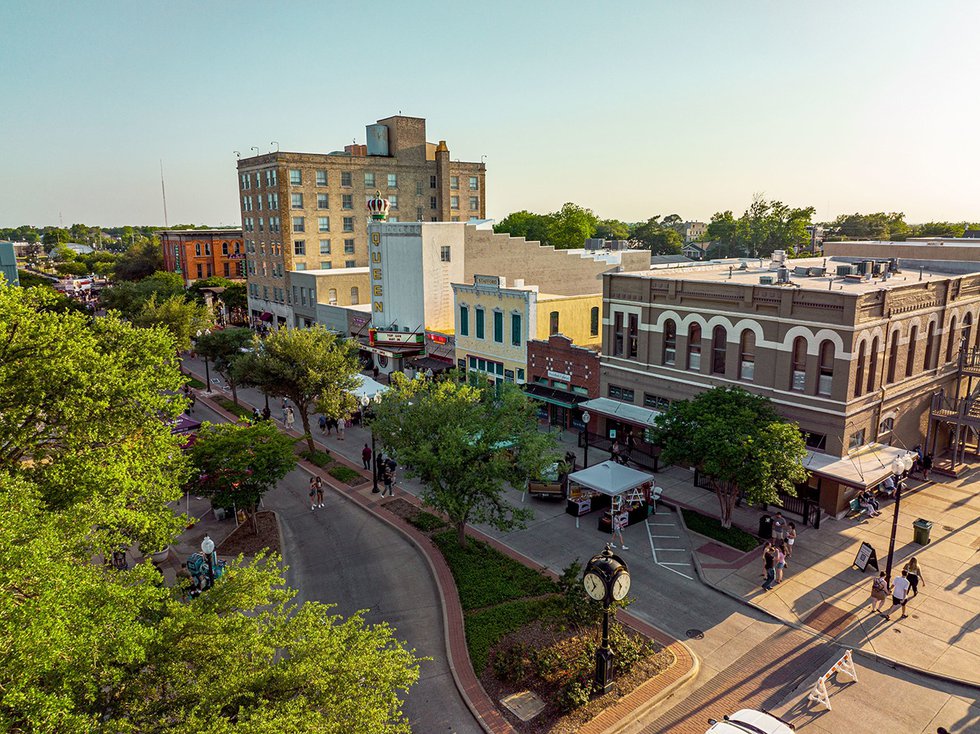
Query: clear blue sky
(631, 109)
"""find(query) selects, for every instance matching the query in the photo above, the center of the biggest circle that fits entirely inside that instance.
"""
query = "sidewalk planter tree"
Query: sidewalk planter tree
(224, 348)
(178, 315)
(312, 368)
(464, 442)
(738, 441)
(237, 464)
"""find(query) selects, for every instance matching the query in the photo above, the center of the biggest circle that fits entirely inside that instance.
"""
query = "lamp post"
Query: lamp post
(586, 417)
(207, 547)
(365, 403)
(900, 464)
(207, 370)
(606, 579)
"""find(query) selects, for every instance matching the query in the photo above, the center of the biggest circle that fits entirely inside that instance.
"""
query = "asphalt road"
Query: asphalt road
(342, 555)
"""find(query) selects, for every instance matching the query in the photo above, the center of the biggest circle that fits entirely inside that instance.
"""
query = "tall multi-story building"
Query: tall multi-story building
(307, 211)
(203, 253)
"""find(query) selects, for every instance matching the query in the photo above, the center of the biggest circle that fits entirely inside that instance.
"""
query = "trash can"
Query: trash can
(922, 528)
(765, 527)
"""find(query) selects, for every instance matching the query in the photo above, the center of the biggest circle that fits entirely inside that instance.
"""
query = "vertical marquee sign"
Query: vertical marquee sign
(377, 288)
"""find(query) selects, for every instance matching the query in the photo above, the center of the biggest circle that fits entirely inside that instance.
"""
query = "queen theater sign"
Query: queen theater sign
(377, 274)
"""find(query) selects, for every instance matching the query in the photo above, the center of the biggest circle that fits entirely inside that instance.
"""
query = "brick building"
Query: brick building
(202, 253)
(853, 357)
(307, 211)
(561, 375)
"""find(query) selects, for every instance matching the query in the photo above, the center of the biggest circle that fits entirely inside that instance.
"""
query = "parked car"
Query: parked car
(750, 721)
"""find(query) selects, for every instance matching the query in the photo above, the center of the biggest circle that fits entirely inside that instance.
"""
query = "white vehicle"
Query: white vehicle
(750, 721)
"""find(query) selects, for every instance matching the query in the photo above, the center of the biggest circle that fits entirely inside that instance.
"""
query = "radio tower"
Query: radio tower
(163, 188)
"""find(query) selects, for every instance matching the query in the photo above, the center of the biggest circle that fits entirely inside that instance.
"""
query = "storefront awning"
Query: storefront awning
(625, 412)
(391, 352)
(610, 478)
(866, 467)
(553, 396)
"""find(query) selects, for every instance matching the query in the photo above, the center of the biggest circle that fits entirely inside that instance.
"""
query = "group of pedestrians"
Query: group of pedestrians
(776, 552)
(901, 587)
(329, 425)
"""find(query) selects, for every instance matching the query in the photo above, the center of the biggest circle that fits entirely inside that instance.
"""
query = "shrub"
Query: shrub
(515, 663)
(194, 382)
(239, 410)
(575, 694)
(320, 458)
(711, 527)
(345, 474)
(427, 522)
(485, 628)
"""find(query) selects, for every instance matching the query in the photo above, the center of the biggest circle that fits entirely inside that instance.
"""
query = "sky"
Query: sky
(630, 109)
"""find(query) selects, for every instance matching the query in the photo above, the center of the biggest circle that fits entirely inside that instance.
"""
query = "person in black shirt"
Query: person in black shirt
(769, 558)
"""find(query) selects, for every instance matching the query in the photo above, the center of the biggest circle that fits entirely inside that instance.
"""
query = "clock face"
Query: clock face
(594, 586)
(621, 586)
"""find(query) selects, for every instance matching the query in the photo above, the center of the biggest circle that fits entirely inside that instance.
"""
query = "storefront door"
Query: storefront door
(559, 416)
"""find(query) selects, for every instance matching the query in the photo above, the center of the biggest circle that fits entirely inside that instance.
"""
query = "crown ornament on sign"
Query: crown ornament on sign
(378, 206)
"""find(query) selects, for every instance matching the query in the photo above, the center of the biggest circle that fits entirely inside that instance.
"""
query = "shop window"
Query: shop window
(746, 369)
(893, 356)
(594, 321)
(859, 377)
(694, 348)
(826, 378)
(910, 357)
(670, 342)
(621, 393)
(719, 346)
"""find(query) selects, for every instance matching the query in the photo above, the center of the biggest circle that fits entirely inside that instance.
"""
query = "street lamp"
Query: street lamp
(606, 579)
(586, 417)
(365, 402)
(207, 548)
(207, 370)
(900, 464)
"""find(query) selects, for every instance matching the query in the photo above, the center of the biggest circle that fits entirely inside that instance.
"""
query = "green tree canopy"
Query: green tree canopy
(311, 367)
(465, 442)
(570, 226)
(180, 317)
(612, 229)
(224, 347)
(129, 297)
(656, 237)
(530, 226)
(738, 441)
(143, 258)
(764, 227)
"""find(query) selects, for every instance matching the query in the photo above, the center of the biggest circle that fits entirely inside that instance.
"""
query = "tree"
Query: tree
(54, 236)
(464, 441)
(311, 367)
(143, 258)
(737, 440)
(612, 229)
(570, 226)
(530, 226)
(129, 297)
(723, 230)
(181, 318)
(654, 236)
(224, 348)
(235, 465)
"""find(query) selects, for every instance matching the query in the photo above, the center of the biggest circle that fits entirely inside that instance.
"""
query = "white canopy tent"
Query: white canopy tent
(610, 478)
(368, 387)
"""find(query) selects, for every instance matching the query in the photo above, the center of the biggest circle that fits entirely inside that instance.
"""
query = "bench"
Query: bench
(856, 507)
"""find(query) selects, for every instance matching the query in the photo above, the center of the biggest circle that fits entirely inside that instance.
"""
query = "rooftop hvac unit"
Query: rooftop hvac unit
(865, 266)
(843, 270)
(782, 275)
(879, 267)
(766, 280)
(778, 257)
(801, 271)
(817, 271)
(894, 264)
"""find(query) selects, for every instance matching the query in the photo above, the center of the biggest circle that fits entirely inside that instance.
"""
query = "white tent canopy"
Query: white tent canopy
(610, 478)
(368, 387)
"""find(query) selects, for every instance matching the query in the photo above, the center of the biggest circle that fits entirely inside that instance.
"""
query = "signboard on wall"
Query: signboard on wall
(379, 336)
(490, 280)
(559, 376)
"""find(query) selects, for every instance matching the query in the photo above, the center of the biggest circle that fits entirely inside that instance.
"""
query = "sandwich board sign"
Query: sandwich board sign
(866, 556)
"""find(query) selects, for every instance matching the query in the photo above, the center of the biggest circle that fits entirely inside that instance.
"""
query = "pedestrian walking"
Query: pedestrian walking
(318, 485)
(193, 398)
(285, 407)
(780, 561)
(619, 520)
(341, 428)
(323, 423)
(914, 575)
(331, 424)
(879, 592)
(366, 456)
(376, 372)
(926, 466)
(790, 539)
(769, 562)
(388, 478)
(290, 419)
(900, 593)
(779, 527)
(266, 413)
(256, 415)
(312, 494)
(615, 450)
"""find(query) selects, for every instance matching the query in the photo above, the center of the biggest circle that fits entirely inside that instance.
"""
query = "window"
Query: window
(432, 183)
(746, 364)
(271, 177)
(873, 371)
(418, 188)
(886, 426)
(323, 201)
(347, 201)
(694, 348)
(200, 270)
(798, 377)
(950, 339)
(825, 381)
(324, 247)
(454, 202)
(633, 336)
(325, 265)
(515, 329)
(197, 249)
(520, 374)
(295, 177)
(432, 202)
(594, 321)
(354, 296)
(621, 393)
(368, 180)
(655, 402)
(553, 322)
(296, 201)
(719, 347)
(859, 382)
(246, 181)
(348, 224)
(299, 266)
(419, 214)
(893, 356)
(931, 356)
(332, 296)
(479, 323)
(454, 182)
(857, 439)
(302, 295)
(967, 328)
(299, 224)
(392, 180)
(464, 321)
(299, 247)
(670, 342)
(445, 253)
(474, 203)
(321, 178)
(474, 183)
(498, 327)
(816, 441)
(393, 200)
(348, 247)
(323, 224)
(910, 357)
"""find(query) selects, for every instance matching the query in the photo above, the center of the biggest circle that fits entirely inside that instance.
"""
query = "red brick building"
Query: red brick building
(560, 375)
(203, 253)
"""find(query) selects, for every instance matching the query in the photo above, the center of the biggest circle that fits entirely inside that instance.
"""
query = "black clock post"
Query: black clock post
(606, 579)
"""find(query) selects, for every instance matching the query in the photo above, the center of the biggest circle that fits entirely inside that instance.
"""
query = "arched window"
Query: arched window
(859, 381)
(930, 346)
(798, 377)
(746, 370)
(893, 356)
(354, 296)
(951, 339)
(694, 348)
(873, 372)
(670, 342)
(332, 296)
(967, 329)
(594, 321)
(719, 344)
(910, 358)
(825, 382)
